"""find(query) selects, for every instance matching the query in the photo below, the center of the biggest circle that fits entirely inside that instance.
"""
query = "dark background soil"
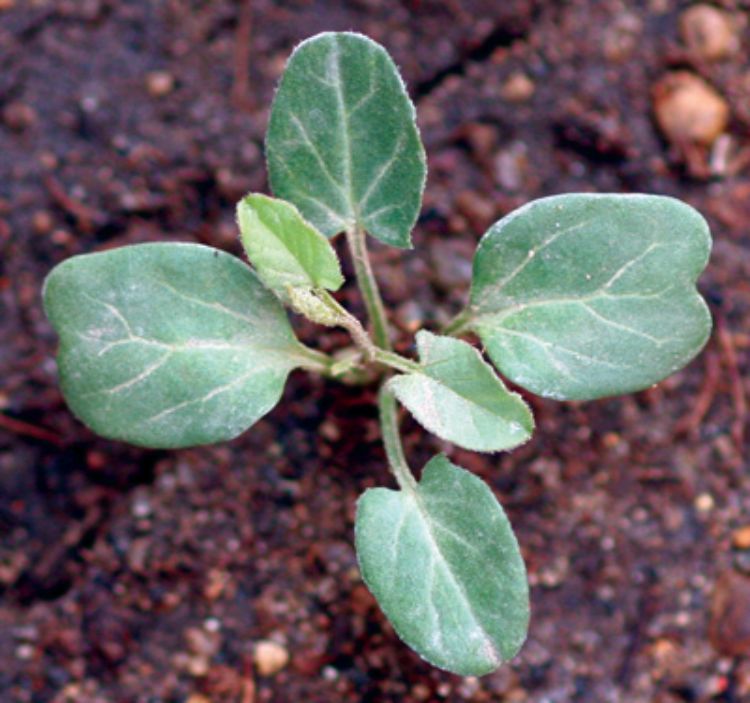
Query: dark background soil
(128, 575)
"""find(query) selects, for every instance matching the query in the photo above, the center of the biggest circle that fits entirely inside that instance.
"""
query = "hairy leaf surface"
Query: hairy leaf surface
(168, 345)
(583, 296)
(445, 567)
(284, 249)
(342, 144)
(458, 397)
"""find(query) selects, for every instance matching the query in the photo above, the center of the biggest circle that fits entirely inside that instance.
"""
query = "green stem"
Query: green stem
(394, 451)
(368, 286)
(316, 361)
(396, 361)
(459, 324)
(350, 323)
(362, 339)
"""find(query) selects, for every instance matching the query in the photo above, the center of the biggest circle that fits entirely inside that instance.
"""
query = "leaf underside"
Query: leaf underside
(445, 567)
(584, 296)
(342, 143)
(457, 396)
(283, 248)
(168, 345)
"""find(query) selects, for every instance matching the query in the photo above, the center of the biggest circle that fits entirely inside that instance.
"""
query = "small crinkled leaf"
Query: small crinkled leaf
(584, 296)
(168, 345)
(458, 397)
(444, 565)
(284, 249)
(342, 143)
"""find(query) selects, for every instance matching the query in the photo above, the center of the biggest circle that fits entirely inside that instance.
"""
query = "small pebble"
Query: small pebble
(688, 109)
(330, 673)
(421, 692)
(198, 698)
(330, 430)
(270, 657)
(202, 643)
(217, 581)
(621, 37)
(212, 624)
(198, 666)
(141, 507)
(741, 538)
(450, 261)
(42, 222)
(704, 503)
(518, 88)
(477, 208)
(137, 556)
(511, 166)
(90, 103)
(482, 138)
(61, 236)
(48, 160)
(729, 627)
(19, 116)
(709, 32)
(159, 83)
(410, 315)
(24, 651)
(663, 648)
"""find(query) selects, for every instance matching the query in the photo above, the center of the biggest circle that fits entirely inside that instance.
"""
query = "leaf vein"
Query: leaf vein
(565, 350)
(497, 287)
(203, 399)
(628, 265)
(625, 328)
(142, 376)
(316, 152)
(489, 644)
(346, 188)
(383, 169)
(215, 305)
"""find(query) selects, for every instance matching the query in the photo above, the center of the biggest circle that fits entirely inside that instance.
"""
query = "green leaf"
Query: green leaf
(168, 345)
(458, 397)
(583, 296)
(445, 567)
(284, 249)
(342, 144)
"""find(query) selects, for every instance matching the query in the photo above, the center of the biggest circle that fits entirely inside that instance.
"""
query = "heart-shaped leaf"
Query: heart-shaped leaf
(342, 144)
(285, 250)
(168, 345)
(458, 397)
(445, 567)
(583, 296)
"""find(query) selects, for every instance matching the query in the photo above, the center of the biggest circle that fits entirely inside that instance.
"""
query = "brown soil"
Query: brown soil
(134, 576)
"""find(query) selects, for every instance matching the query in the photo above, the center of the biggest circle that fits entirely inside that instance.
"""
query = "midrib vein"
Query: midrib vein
(438, 555)
(345, 137)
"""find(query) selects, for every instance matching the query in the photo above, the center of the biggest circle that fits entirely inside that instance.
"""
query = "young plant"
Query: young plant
(573, 297)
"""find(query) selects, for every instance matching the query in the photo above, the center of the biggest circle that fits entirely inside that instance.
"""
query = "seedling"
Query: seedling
(573, 297)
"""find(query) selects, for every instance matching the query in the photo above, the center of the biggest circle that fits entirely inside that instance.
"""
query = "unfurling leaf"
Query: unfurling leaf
(583, 296)
(306, 302)
(457, 396)
(445, 567)
(342, 144)
(283, 248)
(168, 345)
